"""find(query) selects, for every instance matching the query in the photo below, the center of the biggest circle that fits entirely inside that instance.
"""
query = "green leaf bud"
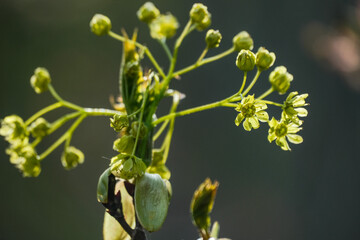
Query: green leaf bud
(135, 129)
(164, 26)
(280, 79)
(102, 187)
(264, 59)
(118, 122)
(40, 80)
(151, 201)
(125, 144)
(39, 128)
(100, 24)
(243, 40)
(245, 60)
(13, 128)
(200, 16)
(71, 157)
(213, 38)
(148, 12)
(202, 204)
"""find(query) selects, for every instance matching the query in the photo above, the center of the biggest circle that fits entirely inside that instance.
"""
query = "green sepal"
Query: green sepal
(102, 187)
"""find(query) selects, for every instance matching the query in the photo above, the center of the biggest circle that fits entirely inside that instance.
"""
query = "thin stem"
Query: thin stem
(243, 83)
(265, 94)
(63, 137)
(42, 112)
(232, 105)
(272, 103)
(160, 131)
(252, 82)
(61, 121)
(36, 142)
(166, 48)
(101, 112)
(203, 62)
(202, 55)
(146, 50)
(62, 101)
(140, 120)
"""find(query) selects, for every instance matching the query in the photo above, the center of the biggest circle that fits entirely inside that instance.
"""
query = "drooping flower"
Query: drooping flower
(13, 128)
(283, 131)
(252, 111)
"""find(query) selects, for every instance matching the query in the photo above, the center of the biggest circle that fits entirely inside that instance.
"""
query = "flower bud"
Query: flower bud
(243, 41)
(245, 60)
(213, 38)
(148, 12)
(40, 80)
(100, 24)
(264, 59)
(71, 157)
(13, 128)
(280, 79)
(118, 122)
(125, 144)
(127, 167)
(200, 16)
(29, 164)
(39, 128)
(135, 129)
(164, 26)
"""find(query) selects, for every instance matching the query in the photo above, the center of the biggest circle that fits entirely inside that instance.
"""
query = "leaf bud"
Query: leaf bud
(148, 12)
(100, 24)
(71, 157)
(39, 128)
(125, 144)
(202, 204)
(40, 80)
(135, 129)
(245, 60)
(213, 38)
(164, 26)
(13, 128)
(243, 40)
(264, 59)
(280, 79)
(118, 122)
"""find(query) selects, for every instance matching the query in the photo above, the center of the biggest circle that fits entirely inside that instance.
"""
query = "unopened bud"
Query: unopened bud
(213, 38)
(280, 79)
(243, 41)
(200, 16)
(118, 122)
(39, 128)
(40, 80)
(264, 59)
(71, 157)
(148, 12)
(100, 24)
(125, 144)
(245, 60)
(135, 128)
(164, 26)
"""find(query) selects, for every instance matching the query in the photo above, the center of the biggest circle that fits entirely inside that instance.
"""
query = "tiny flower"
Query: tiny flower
(100, 24)
(293, 106)
(280, 79)
(213, 38)
(71, 157)
(245, 60)
(13, 128)
(252, 111)
(164, 26)
(40, 80)
(127, 167)
(243, 40)
(200, 16)
(39, 128)
(148, 12)
(118, 122)
(125, 144)
(264, 59)
(135, 128)
(284, 130)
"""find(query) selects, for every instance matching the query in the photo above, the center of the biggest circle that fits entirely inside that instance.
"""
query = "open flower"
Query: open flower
(293, 106)
(252, 111)
(280, 131)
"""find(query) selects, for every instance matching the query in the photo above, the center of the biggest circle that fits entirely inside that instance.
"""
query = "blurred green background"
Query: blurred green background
(265, 193)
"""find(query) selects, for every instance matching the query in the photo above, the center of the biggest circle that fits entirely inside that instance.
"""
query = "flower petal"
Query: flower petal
(271, 137)
(291, 129)
(247, 125)
(281, 142)
(259, 105)
(262, 116)
(254, 122)
(302, 112)
(273, 122)
(294, 138)
(239, 119)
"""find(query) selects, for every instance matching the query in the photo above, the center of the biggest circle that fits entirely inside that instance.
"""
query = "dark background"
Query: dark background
(265, 193)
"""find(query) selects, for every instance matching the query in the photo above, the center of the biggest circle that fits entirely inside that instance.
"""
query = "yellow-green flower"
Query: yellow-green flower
(252, 111)
(127, 167)
(282, 131)
(164, 26)
(293, 106)
(72, 157)
(13, 128)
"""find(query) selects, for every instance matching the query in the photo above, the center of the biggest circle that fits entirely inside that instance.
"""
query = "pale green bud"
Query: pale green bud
(71, 157)
(245, 60)
(30, 164)
(13, 128)
(200, 16)
(100, 24)
(164, 26)
(148, 12)
(127, 167)
(39, 128)
(213, 38)
(280, 79)
(135, 129)
(125, 144)
(40, 80)
(264, 59)
(243, 41)
(118, 122)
